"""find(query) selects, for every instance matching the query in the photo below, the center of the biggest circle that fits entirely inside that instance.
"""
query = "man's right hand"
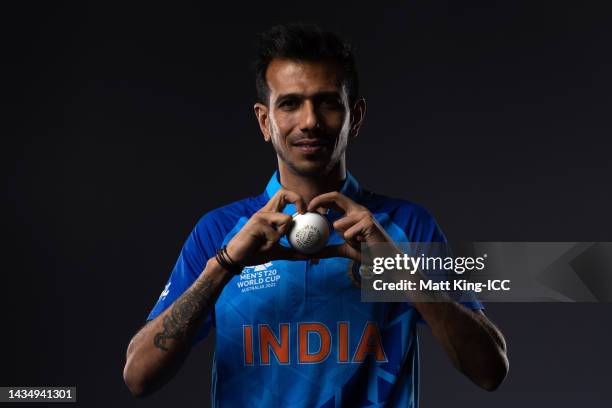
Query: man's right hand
(257, 242)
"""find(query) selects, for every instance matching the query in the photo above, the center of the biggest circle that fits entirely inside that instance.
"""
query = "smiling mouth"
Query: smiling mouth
(311, 146)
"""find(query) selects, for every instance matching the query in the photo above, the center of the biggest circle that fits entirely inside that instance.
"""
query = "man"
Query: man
(291, 330)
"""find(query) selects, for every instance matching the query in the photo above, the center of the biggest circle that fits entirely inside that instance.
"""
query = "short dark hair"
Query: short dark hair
(306, 42)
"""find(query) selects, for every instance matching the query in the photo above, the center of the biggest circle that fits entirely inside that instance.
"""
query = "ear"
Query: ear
(261, 112)
(357, 115)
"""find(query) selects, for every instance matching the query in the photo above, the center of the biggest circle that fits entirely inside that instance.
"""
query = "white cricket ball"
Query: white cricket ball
(309, 232)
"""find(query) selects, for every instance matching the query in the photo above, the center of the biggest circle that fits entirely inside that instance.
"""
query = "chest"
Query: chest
(290, 290)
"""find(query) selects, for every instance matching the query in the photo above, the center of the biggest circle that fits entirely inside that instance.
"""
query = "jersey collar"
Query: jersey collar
(350, 188)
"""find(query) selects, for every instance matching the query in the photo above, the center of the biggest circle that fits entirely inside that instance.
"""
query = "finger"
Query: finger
(333, 200)
(270, 234)
(276, 220)
(356, 231)
(369, 226)
(279, 200)
(283, 228)
(346, 222)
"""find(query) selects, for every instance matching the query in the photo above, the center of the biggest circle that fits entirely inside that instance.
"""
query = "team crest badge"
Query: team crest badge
(357, 272)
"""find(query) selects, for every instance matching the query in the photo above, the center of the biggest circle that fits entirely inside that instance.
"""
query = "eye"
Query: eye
(331, 103)
(288, 104)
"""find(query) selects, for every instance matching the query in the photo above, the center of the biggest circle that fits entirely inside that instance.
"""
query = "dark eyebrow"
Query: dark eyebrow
(330, 94)
(288, 96)
(319, 95)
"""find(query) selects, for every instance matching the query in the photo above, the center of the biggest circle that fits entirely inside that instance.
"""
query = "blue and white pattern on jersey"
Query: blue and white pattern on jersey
(295, 333)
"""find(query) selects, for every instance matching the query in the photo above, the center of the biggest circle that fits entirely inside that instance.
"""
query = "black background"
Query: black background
(125, 123)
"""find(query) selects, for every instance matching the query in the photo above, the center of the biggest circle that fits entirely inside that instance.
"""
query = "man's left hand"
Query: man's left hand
(356, 226)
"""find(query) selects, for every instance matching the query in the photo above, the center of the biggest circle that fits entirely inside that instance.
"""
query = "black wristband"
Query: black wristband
(226, 262)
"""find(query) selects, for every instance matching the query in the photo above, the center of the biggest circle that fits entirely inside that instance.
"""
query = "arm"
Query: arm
(474, 345)
(158, 350)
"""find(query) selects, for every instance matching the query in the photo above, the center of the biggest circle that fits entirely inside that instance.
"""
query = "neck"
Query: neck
(309, 187)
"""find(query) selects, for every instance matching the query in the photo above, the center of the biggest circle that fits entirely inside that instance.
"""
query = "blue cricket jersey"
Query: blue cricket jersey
(295, 333)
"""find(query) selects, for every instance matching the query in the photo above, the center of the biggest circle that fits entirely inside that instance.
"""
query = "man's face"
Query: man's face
(308, 116)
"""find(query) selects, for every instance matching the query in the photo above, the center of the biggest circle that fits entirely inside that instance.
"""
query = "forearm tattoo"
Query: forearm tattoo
(187, 309)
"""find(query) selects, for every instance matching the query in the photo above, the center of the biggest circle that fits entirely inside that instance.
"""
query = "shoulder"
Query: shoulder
(223, 219)
(212, 227)
(414, 219)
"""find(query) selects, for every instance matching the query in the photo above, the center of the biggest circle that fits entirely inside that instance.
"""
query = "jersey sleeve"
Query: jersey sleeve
(198, 248)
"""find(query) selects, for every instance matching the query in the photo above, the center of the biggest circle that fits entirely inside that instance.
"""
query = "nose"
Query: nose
(309, 119)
